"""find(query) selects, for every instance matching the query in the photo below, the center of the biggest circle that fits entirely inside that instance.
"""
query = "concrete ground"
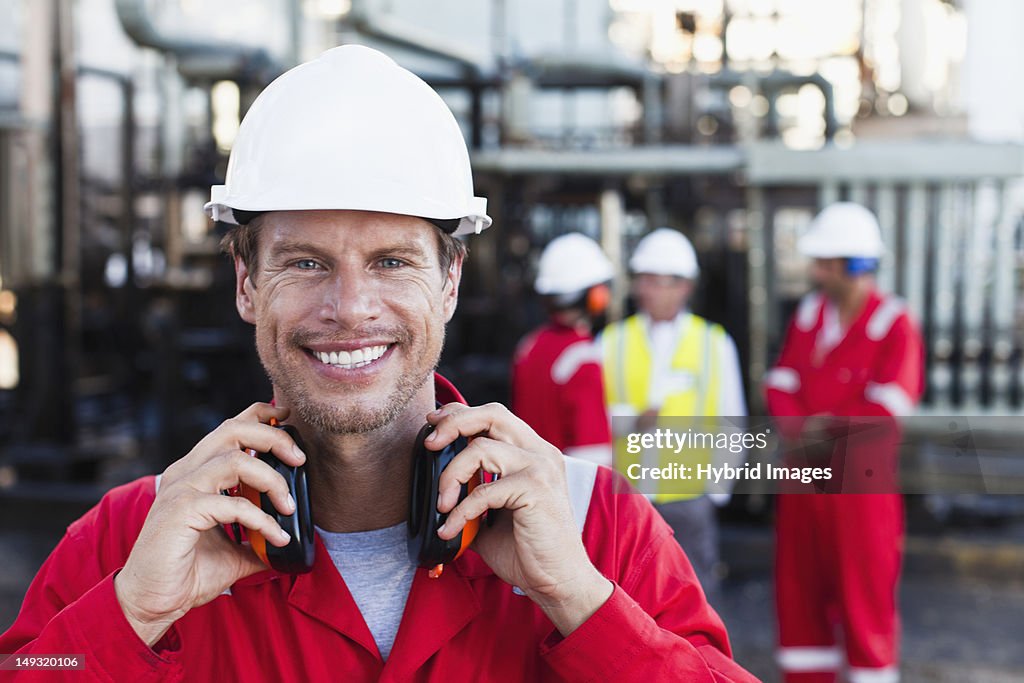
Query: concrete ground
(961, 600)
(954, 631)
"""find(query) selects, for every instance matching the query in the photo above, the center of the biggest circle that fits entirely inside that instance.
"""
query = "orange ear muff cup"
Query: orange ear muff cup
(256, 540)
(469, 531)
(298, 556)
(598, 298)
(426, 548)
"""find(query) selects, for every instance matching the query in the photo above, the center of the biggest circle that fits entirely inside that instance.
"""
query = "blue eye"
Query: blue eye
(388, 262)
(306, 264)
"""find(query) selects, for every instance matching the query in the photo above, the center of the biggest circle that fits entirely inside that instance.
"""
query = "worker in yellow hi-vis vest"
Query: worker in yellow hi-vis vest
(663, 365)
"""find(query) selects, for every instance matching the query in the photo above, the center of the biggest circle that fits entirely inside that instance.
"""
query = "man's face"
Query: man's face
(661, 296)
(349, 309)
(829, 275)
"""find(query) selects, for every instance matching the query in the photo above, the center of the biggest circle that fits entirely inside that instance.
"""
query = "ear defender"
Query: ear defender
(858, 265)
(426, 548)
(598, 298)
(297, 556)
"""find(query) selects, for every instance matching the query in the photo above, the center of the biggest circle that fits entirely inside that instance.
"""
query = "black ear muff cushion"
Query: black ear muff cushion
(426, 549)
(297, 556)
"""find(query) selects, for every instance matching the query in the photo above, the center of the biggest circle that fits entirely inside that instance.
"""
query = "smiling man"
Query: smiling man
(348, 183)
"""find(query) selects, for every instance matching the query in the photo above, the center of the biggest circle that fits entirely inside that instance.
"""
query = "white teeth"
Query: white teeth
(354, 359)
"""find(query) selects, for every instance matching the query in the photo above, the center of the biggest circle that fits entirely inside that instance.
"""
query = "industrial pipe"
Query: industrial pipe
(203, 59)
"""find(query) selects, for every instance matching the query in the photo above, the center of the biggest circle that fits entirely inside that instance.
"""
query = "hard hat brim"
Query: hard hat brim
(469, 224)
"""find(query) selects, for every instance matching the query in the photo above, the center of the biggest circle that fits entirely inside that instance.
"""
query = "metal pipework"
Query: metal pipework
(775, 82)
(664, 160)
(198, 59)
(400, 34)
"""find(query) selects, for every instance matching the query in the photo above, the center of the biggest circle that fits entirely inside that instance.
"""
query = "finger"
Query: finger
(227, 470)
(502, 494)
(493, 420)
(206, 511)
(264, 438)
(483, 453)
(243, 435)
(263, 412)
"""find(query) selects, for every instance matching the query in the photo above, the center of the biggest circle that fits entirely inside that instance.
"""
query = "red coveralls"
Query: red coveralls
(468, 625)
(838, 556)
(557, 389)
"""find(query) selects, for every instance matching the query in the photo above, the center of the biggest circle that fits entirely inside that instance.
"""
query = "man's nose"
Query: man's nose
(350, 298)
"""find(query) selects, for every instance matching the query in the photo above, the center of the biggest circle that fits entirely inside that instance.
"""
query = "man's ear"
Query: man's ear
(450, 291)
(244, 290)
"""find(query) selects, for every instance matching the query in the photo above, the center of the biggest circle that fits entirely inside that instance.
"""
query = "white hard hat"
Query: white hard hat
(665, 252)
(572, 263)
(351, 130)
(843, 230)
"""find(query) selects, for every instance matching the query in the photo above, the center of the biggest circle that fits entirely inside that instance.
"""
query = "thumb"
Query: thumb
(241, 558)
(248, 562)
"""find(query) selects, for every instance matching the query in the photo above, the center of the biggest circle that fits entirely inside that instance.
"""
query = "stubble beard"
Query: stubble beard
(352, 417)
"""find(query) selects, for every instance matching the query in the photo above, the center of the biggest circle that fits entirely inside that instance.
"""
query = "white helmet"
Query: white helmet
(665, 252)
(843, 230)
(572, 263)
(351, 130)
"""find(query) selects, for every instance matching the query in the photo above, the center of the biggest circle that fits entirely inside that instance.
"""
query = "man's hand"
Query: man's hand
(182, 558)
(536, 545)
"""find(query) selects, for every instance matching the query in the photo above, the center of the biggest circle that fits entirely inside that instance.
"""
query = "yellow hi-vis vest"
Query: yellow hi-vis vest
(696, 374)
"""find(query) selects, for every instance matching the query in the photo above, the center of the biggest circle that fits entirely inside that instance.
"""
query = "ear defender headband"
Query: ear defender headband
(426, 548)
(858, 265)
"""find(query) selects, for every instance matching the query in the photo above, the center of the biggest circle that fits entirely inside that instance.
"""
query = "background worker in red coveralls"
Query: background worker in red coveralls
(556, 377)
(849, 351)
(347, 182)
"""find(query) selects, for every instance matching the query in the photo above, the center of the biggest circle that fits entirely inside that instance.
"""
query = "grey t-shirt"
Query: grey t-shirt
(378, 573)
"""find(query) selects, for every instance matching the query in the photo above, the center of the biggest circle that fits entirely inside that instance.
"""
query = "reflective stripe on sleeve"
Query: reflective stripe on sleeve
(783, 379)
(888, 674)
(890, 396)
(599, 453)
(572, 358)
(885, 317)
(580, 475)
(793, 659)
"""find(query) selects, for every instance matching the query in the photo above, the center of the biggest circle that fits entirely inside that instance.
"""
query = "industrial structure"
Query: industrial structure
(733, 121)
(119, 343)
